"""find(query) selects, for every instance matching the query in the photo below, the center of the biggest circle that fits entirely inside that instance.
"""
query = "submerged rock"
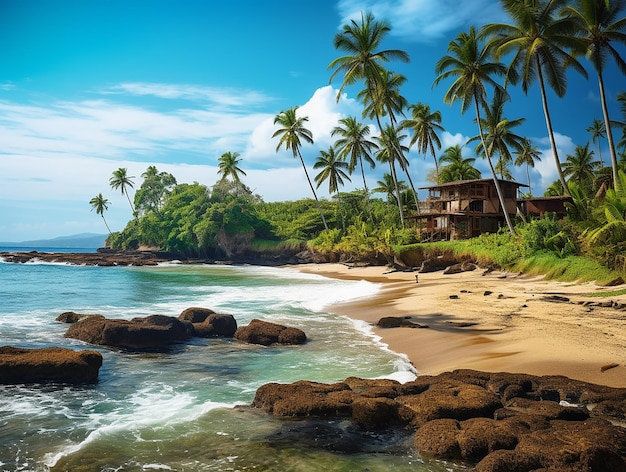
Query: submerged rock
(54, 364)
(498, 421)
(72, 317)
(266, 334)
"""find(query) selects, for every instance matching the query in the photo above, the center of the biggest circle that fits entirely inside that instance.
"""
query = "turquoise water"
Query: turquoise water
(185, 410)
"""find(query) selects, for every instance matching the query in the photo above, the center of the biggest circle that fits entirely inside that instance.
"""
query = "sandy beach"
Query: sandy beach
(496, 322)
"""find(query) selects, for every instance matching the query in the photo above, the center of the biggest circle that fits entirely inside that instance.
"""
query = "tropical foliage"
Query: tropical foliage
(540, 42)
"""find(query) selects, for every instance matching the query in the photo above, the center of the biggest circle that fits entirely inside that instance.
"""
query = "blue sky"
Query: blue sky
(89, 86)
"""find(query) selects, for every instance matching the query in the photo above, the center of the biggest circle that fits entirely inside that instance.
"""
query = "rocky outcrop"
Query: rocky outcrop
(461, 267)
(103, 257)
(156, 332)
(20, 365)
(266, 334)
(495, 421)
(206, 323)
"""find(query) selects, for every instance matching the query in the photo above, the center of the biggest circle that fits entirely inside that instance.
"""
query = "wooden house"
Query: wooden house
(465, 209)
(539, 206)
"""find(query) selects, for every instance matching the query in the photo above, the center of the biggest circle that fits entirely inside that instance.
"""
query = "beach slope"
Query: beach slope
(494, 322)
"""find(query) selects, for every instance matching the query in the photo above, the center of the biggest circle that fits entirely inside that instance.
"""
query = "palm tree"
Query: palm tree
(455, 167)
(385, 100)
(388, 146)
(498, 132)
(332, 170)
(425, 126)
(363, 60)
(601, 25)
(100, 204)
(291, 133)
(598, 131)
(120, 179)
(388, 186)
(228, 166)
(542, 46)
(468, 63)
(527, 156)
(353, 144)
(580, 166)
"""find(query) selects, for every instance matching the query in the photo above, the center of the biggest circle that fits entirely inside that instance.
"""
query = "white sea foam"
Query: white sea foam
(403, 371)
(156, 407)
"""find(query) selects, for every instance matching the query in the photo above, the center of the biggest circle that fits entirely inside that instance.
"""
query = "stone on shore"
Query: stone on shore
(55, 364)
(266, 334)
(156, 332)
(495, 421)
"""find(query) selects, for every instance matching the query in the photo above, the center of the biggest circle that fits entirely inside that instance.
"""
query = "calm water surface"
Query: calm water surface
(185, 410)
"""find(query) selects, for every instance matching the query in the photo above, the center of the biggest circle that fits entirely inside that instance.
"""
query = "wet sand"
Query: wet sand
(496, 322)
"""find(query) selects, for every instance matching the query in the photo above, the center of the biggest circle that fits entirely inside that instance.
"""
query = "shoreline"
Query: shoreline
(493, 322)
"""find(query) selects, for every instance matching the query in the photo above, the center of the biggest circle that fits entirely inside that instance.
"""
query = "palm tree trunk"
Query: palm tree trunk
(394, 177)
(528, 177)
(493, 171)
(367, 193)
(130, 203)
(319, 207)
(417, 201)
(609, 133)
(432, 150)
(546, 112)
(105, 224)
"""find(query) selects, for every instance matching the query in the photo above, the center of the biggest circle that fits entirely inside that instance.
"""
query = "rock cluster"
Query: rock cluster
(160, 332)
(495, 421)
(20, 365)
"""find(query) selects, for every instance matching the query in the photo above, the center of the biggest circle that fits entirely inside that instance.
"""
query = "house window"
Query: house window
(476, 205)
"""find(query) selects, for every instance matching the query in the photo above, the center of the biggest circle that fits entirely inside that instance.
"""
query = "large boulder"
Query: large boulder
(156, 332)
(207, 323)
(195, 314)
(266, 334)
(54, 364)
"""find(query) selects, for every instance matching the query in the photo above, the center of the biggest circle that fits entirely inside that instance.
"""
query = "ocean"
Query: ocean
(186, 410)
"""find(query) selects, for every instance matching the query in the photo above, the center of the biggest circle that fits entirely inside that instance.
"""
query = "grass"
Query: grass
(270, 244)
(508, 253)
(614, 293)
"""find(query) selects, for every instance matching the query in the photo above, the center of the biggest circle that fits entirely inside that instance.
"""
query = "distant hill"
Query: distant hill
(83, 240)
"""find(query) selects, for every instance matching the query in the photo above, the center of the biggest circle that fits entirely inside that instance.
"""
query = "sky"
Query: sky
(89, 86)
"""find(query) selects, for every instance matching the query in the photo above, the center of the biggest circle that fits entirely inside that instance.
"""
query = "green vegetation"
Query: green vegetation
(542, 40)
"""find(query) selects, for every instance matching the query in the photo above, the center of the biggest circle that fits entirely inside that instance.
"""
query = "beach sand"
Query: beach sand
(511, 329)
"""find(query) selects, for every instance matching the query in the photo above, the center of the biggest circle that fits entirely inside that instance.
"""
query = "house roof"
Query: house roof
(458, 183)
(564, 198)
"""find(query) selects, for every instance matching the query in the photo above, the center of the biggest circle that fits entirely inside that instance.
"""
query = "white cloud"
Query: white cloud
(217, 96)
(323, 112)
(547, 167)
(57, 155)
(449, 140)
(424, 20)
